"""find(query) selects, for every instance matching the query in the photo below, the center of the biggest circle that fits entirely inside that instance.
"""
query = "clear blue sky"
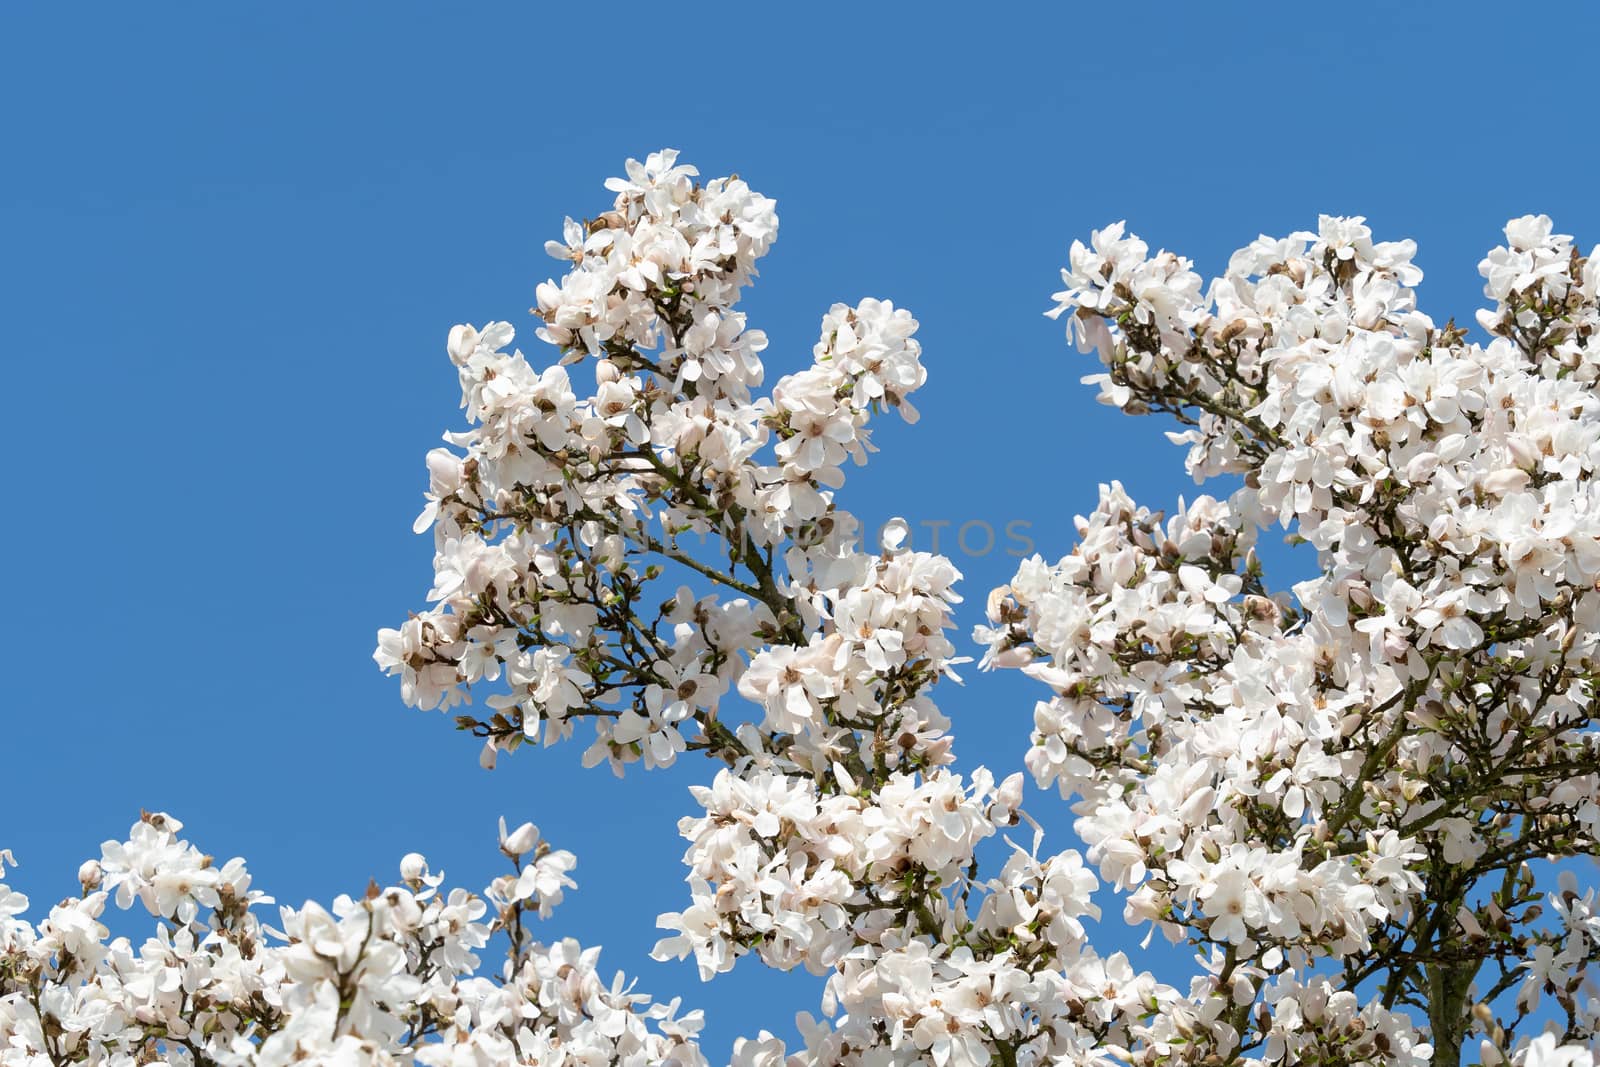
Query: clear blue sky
(232, 242)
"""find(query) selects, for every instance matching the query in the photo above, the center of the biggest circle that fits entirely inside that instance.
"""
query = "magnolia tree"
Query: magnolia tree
(1344, 797)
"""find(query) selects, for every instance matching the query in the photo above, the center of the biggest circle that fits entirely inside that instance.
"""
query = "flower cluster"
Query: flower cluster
(1332, 792)
(566, 511)
(388, 977)
(834, 836)
(1327, 772)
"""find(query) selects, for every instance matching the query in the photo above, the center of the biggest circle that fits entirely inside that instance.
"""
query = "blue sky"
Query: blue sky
(232, 242)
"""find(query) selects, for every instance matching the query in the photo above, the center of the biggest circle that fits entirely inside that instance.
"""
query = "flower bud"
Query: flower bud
(413, 868)
(90, 876)
(463, 342)
(520, 841)
(611, 553)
